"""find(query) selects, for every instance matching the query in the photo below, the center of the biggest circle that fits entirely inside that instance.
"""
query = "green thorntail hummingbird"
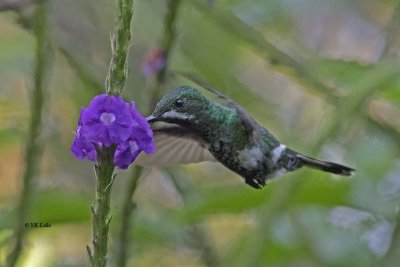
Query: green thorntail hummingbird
(197, 129)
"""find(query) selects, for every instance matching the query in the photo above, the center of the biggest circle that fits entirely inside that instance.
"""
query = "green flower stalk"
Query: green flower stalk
(33, 146)
(101, 209)
(115, 82)
(120, 43)
(111, 133)
(168, 38)
(127, 208)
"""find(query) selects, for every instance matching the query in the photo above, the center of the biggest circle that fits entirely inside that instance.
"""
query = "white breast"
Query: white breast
(250, 157)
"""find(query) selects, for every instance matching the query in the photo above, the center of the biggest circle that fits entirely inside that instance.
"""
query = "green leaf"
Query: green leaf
(60, 207)
(51, 206)
(314, 189)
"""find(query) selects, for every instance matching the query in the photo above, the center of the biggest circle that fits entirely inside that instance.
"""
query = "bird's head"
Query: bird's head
(180, 106)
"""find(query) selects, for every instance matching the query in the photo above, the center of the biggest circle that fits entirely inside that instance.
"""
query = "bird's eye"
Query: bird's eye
(179, 103)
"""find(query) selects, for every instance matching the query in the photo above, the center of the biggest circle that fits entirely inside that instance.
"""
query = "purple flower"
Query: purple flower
(141, 139)
(154, 61)
(82, 148)
(107, 120)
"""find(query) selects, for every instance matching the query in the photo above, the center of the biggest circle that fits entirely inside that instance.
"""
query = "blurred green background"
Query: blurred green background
(323, 76)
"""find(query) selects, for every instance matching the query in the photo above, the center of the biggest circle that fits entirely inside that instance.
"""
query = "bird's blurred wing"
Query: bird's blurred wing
(175, 145)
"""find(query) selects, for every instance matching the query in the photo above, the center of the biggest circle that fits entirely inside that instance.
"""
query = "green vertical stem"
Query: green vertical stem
(198, 234)
(169, 36)
(167, 41)
(115, 81)
(101, 208)
(120, 43)
(33, 147)
(126, 217)
(201, 241)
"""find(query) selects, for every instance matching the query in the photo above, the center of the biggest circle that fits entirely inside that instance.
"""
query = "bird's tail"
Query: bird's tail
(325, 165)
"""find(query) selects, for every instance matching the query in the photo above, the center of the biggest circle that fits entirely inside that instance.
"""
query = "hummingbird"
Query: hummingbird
(188, 127)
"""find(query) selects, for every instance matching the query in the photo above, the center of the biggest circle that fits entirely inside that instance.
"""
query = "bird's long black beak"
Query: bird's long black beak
(151, 118)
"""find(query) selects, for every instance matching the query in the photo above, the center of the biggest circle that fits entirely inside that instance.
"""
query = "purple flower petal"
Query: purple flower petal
(142, 133)
(126, 153)
(107, 120)
(145, 142)
(80, 116)
(141, 121)
(82, 149)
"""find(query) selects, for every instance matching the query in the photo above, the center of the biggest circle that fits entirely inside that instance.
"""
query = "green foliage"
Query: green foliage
(52, 206)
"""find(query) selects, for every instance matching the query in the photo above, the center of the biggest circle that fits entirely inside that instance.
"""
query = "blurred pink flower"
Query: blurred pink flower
(154, 60)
